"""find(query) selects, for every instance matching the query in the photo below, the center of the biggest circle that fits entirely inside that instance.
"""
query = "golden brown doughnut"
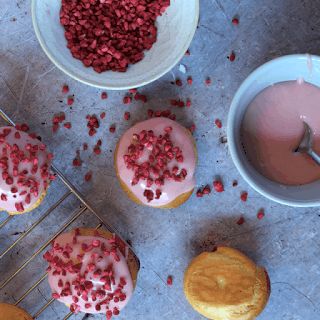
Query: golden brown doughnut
(92, 271)
(226, 285)
(11, 312)
(174, 187)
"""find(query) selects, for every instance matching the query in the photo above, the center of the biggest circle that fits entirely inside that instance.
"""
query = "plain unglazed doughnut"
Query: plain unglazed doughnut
(91, 271)
(25, 170)
(226, 285)
(155, 161)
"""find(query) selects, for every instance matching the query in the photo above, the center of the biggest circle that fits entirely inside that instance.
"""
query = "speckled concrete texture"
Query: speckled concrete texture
(286, 241)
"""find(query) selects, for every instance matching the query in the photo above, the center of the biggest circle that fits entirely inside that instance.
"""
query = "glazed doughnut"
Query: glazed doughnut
(25, 170)
(226, 285)
(155, 162)
(91, 271)
(11, 312)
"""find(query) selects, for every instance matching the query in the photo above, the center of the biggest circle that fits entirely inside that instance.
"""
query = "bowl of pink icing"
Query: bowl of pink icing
(265, 125)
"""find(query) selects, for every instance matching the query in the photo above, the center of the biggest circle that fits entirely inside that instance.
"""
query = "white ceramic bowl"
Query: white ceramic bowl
(286, 68)
(176, 29)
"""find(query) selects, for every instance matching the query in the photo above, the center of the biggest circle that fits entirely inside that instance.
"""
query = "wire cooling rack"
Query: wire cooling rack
(72, 219)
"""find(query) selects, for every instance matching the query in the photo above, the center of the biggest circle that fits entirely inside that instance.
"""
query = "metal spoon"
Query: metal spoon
(306, 144)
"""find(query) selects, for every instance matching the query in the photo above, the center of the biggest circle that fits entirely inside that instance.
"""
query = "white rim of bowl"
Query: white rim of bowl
(231, 141)
(110, 87)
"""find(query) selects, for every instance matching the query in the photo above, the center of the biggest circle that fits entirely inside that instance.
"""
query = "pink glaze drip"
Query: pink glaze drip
(95, 262)
(171, 188)
(21, 191)
(273, 127)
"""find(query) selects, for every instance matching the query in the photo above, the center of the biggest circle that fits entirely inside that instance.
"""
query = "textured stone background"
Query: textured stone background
(286, 242)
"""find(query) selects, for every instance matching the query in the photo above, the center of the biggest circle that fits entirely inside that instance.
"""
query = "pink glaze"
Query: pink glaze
(66, 249)
(273, 127)
(20, 191)
(171, 188)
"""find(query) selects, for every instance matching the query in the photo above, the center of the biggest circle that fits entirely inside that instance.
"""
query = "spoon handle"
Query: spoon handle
(314, 156)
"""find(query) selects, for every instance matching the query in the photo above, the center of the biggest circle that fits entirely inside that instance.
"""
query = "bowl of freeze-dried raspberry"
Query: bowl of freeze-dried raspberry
(112, 44)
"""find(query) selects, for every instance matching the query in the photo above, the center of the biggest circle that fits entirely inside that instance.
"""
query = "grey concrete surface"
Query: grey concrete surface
(286, 241)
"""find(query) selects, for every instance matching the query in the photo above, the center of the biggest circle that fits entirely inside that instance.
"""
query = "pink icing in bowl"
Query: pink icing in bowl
(287, 68)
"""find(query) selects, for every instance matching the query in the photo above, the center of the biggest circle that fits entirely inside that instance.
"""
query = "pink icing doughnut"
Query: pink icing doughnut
(89, 273)
(156, 160)
(25, 169)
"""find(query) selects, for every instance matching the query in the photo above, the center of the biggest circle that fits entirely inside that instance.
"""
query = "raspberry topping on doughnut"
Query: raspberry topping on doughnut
(156, 160)
(89, 273)
(24, 167)
(156, 169)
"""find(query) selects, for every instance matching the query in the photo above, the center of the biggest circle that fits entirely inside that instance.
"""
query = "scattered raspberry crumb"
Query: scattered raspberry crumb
(93, 124)
(102, 115)
(126, 116)
(244, 196)
(65, 89)
(56, 120)
(55, 128)
(189, 80)
(62, 117)
(70, 101)
(112, 128)
(97, 149)
(178, 82)
(133, 90)
(192, 128)
(181, 104)
(55, 295)
(169, 281)
(206, 189)
(177, 103)
(59, 117)
(208, 81)
(104, 95)
(235, 21)
(188, 103)
(241, 221)
(260, 214)
(140, 97)
(88, 176)
(67, 125)
(218, 186)
(85, 146)
(173, 102)
(77, 162)
(22, 127)
(232, 56)
(127, 100)
(158, 113)
(218, 123)
(188, 53)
